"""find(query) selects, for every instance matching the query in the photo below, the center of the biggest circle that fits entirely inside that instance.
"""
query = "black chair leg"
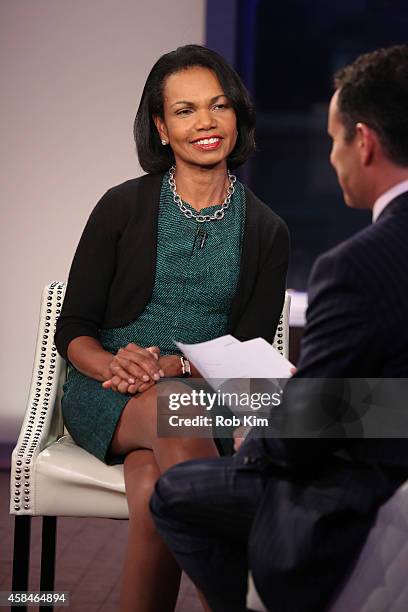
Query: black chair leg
(48, 547)
(21, 556)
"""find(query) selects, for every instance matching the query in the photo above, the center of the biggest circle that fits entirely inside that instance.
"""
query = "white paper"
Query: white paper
(226, 357)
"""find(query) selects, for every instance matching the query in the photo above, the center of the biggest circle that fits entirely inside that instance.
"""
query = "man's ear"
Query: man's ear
(367, 141)
(161, 128)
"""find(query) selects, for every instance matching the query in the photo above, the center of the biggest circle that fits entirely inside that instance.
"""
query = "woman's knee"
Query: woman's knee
(136, 424)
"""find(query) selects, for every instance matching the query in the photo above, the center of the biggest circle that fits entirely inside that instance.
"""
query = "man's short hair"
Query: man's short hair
(374, 90)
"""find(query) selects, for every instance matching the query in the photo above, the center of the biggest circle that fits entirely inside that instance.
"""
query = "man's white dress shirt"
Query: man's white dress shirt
(387, 197)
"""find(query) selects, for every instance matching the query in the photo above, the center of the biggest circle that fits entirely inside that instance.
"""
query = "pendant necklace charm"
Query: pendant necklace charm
(204, 237)
(201, 235)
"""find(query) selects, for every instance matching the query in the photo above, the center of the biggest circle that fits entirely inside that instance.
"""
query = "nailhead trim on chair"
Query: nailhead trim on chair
(280, 342)
(43, 394)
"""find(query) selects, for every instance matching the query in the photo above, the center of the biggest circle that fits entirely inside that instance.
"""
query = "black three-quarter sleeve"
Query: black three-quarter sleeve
(91, 274)
(262, 313)
(258, 303)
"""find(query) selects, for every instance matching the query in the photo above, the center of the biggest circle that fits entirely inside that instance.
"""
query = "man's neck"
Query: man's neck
(386, 179)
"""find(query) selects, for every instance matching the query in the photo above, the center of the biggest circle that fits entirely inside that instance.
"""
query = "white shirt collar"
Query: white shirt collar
(387, 197)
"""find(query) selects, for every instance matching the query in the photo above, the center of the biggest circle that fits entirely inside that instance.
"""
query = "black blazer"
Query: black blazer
(322, 495)
(112, 274)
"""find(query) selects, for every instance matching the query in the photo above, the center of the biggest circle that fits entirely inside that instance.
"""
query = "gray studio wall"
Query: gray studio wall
(72, 74)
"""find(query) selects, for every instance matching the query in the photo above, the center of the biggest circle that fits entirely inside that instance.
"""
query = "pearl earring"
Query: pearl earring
(164, 142)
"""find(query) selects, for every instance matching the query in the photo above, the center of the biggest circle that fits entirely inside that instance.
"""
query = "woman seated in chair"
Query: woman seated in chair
(185, 252)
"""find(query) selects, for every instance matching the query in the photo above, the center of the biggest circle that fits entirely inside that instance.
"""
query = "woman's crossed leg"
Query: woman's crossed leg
(151, 576)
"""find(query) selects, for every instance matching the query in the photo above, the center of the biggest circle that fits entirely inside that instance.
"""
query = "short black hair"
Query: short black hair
(374, 90)
(156, 158)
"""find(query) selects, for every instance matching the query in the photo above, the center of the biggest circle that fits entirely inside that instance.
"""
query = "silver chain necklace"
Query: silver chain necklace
(219, 213)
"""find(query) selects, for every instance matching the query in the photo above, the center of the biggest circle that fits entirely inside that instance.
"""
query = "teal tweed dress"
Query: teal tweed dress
(191, 299)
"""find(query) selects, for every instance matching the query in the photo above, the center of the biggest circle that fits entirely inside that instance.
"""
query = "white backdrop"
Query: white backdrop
(71, 78)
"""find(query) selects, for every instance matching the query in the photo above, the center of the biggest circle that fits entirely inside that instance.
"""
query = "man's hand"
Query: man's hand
(239, 436)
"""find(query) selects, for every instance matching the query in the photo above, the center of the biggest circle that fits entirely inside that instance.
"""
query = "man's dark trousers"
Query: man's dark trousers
(205, 511)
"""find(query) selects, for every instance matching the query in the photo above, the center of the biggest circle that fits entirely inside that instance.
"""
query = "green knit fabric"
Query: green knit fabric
(191, 299)
(193, 286)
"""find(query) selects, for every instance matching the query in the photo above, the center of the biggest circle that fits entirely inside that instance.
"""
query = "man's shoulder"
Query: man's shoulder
(368, 260)
(367, 244)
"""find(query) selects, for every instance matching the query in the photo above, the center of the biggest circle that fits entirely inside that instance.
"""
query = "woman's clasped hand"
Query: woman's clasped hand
(135, 369)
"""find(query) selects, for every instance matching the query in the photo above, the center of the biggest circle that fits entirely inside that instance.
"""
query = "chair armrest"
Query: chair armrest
(42, 423)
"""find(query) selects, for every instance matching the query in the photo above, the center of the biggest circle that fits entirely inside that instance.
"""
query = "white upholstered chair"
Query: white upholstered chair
(50, 475)
(378, 582)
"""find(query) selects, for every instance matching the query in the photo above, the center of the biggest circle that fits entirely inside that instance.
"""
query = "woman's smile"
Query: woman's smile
(207, 143)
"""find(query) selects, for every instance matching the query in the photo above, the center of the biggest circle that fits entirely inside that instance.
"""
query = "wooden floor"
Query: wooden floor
(89, 559)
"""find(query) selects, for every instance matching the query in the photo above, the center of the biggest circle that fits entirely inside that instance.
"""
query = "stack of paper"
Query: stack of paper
(226, 357)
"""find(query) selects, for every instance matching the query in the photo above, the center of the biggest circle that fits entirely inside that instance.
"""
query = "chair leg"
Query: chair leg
(21, 556)
(48, 547)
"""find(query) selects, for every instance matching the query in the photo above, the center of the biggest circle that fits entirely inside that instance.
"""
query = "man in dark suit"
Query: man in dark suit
(297, 511)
